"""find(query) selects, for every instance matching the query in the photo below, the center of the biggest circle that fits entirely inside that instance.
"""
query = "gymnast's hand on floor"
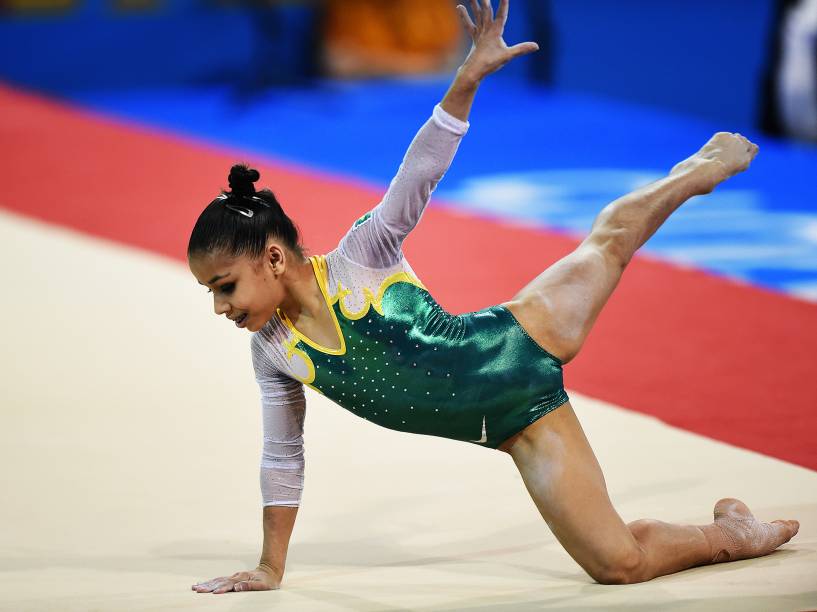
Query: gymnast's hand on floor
(259, 579)
(724, 156)
(489, 51)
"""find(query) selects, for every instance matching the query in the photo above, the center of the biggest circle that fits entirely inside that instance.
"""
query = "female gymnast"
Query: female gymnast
(358, 326)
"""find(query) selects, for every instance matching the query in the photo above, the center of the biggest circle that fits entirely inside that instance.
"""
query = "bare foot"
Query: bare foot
(737, 534)
(723, 156)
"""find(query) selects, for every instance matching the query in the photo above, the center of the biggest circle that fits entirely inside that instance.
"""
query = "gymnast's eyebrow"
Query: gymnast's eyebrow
(214, 279)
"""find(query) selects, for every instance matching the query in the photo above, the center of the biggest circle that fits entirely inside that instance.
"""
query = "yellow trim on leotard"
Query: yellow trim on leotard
(370, 299)
(322, 276)
(291, 350)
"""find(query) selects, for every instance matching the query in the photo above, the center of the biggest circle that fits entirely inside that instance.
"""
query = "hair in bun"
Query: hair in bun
(241, 180)
(240, 221)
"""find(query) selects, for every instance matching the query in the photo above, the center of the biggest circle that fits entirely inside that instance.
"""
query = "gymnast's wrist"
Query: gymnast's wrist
(270, 569)
(467, 77)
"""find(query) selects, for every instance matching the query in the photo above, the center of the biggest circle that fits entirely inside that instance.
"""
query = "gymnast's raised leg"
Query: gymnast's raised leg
(558, 309)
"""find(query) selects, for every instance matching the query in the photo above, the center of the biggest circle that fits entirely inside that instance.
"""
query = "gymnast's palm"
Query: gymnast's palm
(489, 51)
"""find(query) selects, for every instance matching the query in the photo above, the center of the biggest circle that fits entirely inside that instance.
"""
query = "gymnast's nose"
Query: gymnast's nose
(220, 306)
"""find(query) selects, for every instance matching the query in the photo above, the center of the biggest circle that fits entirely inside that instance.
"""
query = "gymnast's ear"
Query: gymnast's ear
(276, 256)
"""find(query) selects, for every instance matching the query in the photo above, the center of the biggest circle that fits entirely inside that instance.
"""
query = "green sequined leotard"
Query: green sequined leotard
(406, 364)
(402, 361)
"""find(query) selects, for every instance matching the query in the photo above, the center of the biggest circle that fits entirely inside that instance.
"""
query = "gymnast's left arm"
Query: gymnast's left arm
(376, 241)
(488, 54)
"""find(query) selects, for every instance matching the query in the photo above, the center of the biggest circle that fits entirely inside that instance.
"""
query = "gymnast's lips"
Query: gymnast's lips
(240, 320)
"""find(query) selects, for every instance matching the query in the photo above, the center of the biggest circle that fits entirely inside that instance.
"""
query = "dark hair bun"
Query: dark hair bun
(242, 178)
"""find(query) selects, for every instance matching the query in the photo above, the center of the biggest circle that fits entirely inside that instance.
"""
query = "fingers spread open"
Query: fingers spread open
(502, 12)
(475, 9)
(523, 48)
(466, 19)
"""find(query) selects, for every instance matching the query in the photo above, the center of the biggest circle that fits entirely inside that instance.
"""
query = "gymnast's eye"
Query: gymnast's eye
(225, 288)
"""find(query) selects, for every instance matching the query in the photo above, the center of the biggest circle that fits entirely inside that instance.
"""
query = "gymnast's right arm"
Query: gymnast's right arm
(282, 458)
(281, 476)
(282, 466)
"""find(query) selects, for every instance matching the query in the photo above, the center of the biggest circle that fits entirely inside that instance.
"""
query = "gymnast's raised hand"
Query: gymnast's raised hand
(489, 51)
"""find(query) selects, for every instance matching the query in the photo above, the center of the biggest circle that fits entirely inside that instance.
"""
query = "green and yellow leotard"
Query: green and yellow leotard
(402, 361)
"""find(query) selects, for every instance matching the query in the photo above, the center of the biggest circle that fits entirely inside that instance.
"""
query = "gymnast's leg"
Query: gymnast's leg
(559, 307)
(565, 481)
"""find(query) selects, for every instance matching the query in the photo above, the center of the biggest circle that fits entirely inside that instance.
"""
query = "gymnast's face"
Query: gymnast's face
(244, 290)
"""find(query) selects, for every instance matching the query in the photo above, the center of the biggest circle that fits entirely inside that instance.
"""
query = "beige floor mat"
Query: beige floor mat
(130, 442)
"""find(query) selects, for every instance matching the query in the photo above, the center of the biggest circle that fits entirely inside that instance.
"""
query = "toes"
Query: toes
(780, 534)
(787, 528)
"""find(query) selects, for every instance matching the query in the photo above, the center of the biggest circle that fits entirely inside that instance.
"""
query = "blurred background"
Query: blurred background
(751, 63)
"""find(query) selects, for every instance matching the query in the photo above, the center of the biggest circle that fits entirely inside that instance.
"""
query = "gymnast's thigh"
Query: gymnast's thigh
(565, 481)
(559, 307)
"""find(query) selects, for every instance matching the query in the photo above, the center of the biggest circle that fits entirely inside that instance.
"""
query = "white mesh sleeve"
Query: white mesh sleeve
(376, 242)
(283, 411)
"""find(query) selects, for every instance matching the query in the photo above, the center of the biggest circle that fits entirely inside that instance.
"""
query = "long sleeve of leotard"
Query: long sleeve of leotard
(375, 240)
(283, 410)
